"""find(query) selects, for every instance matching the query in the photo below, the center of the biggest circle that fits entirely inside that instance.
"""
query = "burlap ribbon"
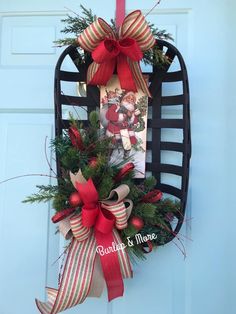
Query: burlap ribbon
(125, 52)
(86, 271)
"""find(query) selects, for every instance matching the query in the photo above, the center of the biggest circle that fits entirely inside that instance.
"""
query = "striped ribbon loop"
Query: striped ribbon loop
(79, 231)
(94, 34)
(119, 211)
(134, 27)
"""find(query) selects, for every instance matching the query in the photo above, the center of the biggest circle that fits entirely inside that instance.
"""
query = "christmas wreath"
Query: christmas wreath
(86, 153)
(108, 218)
(103, 212)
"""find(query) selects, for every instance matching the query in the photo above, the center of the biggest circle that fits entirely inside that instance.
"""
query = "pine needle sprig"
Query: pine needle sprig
(93, 160)
(46, 193)
(160, 34)
(75, 25)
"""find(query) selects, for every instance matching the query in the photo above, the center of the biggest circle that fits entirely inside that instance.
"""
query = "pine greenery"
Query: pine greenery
(45, 193)
(93, 160)
(76, 24)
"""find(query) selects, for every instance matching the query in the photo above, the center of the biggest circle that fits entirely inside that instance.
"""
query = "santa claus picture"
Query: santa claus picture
(123, 116)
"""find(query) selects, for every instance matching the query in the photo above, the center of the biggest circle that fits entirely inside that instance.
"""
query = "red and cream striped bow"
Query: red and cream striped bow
(124, 52)
(96, 255)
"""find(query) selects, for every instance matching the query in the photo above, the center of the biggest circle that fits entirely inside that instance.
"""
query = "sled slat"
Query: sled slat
(179, 147)
(171, 146)
(76, 101)
(70, 76)
(166, 123)
(66, 123)
(166, 188)
(173, 100)
(165, 168)
(173, 77)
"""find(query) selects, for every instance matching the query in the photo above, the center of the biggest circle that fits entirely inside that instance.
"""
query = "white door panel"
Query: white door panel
(25, 235)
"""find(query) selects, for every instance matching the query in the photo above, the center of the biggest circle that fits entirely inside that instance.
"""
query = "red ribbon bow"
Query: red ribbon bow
(94, 226)
(103, 221)
(135, 37)
(110, 53)
(93, 215)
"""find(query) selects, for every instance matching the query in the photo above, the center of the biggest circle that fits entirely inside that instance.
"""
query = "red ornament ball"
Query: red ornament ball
(137, 222)
(75, 199)
(93, 162)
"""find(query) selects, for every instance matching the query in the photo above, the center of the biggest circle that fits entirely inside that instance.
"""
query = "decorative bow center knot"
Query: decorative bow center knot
(109, 49)
(135, 37)
(103, 215)
(111, 53)
(93, 212)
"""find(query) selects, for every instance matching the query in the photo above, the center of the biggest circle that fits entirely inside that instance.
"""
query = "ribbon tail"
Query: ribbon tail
(140, 81)
(110, 265)
(46, 308)
(98, 283)
(123, 257)
(125, 74)
(76, 278)
(99, 74)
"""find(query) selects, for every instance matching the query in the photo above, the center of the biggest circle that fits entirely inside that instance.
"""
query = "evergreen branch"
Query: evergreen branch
(149, 183)
(65, 42)
(145, 210)
(160, 34)
(135, 252)
(75, 25)
(157, 217)
(45, 194)
(38, 198)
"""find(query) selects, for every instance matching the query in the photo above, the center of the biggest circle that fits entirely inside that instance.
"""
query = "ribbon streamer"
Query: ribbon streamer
(152, 196)
(75, 138)
(120, 12)
(108, 52)
(86, 271)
